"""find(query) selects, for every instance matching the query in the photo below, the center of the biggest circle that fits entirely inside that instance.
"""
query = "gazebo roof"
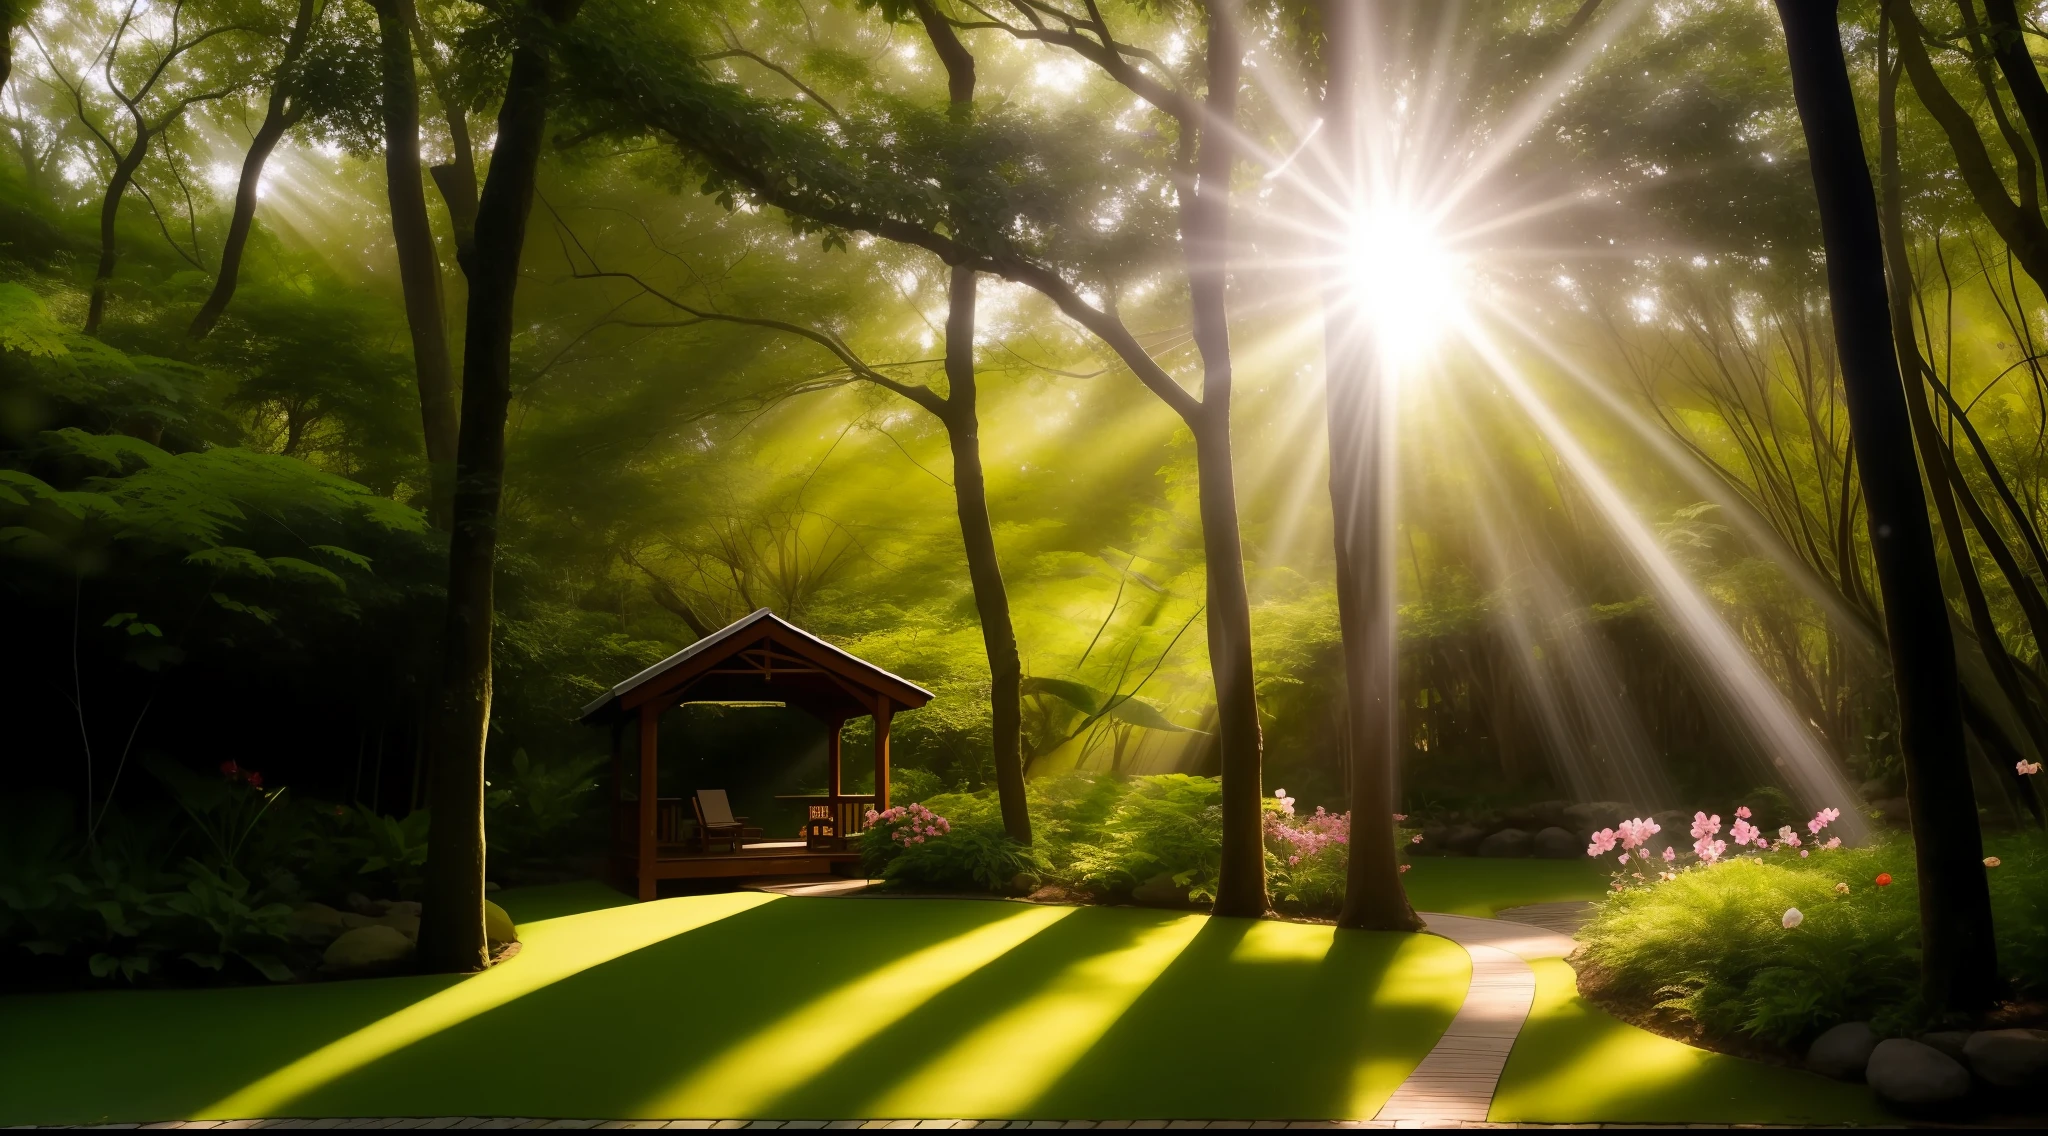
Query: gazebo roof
(762, 658)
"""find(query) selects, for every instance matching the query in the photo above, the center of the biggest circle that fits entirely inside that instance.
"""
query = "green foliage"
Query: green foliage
(1170, 824)
(530, 805)
(974, 854)
(1711, 945)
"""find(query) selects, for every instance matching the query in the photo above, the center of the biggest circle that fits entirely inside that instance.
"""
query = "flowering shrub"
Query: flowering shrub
(1633, 838)
(1307, 857)
(1780, 947)
(916, 845)
(908, 824)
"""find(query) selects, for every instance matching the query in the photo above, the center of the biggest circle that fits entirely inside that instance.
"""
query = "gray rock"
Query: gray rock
(317, 922)
(1550, 814)
(403, 907)
(2010, 1058)
(1950, 1042)
(1842, 1052)
(1435, 840)
(498, 926)
(1160, 891)
(1464, 839)
(367, 948)
(1595, 815)
(1913, 1077)
(1507, 843)
(1558, 844)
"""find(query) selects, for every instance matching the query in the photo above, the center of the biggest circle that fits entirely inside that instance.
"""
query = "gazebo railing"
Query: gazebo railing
(843, 817)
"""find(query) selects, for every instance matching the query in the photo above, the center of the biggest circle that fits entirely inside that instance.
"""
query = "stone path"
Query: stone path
(1456, 1080)
(1565, 917)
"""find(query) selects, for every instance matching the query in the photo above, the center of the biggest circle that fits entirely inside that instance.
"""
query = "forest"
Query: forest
(1429, 411)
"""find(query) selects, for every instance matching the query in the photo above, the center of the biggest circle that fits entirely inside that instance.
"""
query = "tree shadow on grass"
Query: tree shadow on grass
(966, 1050)
(596, 1044)
(1270, 1021)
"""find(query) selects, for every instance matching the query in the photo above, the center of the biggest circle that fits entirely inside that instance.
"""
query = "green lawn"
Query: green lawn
(1575, 1064)
(1471, 886)
(747, 1005)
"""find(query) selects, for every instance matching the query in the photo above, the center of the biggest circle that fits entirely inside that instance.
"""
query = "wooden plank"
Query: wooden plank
(650, 788)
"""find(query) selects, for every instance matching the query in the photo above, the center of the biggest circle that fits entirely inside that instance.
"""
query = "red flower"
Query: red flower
(230, 768)
(1883, 878)
(255, 779)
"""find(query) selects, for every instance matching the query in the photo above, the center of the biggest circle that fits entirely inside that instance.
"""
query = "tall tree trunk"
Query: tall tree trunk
(278, 117)
(991, 598)
(1360, 407)
(1958, 961)
(110, 214)
(452, 919)
(1205, 227)
(419, 267)
(455, 179)
(970, 490)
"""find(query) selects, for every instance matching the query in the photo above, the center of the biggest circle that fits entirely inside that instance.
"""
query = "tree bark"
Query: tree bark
(970, 490)
(278, 117)
(110, 213)
(984, 571)
(419, 266)
(455, 180)
(1205, 230)
(452, 919)
(1360, 408)
(1958, 959)
(2016, 63)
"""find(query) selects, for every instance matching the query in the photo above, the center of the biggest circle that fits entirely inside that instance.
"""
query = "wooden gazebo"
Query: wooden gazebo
(761, 659)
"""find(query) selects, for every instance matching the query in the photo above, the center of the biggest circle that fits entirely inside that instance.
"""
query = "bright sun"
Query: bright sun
(1407, 283)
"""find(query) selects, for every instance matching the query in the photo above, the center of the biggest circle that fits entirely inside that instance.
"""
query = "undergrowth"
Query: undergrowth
(1711, 945)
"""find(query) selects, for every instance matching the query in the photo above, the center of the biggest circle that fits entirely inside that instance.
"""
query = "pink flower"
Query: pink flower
(1603, 843)
(1670, 854)
(1708, 849)
(1635, 833)
(1822, 819)
(1743, 812)
(1743, 832)
(1704, 826)
(1624, 858)
(1763, 845)
(1405, 867)
(1787, 836)
(1398, 817)
(1416, 839)
(1803, 853)
(1833, 843)
(2028, 768)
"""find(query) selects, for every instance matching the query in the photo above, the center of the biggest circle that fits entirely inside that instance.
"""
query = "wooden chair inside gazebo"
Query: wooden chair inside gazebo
(759, 660)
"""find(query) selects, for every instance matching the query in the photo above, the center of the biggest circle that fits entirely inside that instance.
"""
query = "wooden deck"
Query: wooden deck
(760, 858)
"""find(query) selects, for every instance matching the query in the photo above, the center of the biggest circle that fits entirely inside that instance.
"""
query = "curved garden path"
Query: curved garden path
(1456, 1080)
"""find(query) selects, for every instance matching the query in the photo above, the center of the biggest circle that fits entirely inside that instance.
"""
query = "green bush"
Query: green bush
(953, 842)
(1711, 944)
(1170, 824)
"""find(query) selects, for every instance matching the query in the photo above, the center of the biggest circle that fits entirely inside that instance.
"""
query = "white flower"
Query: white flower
(1793, 918)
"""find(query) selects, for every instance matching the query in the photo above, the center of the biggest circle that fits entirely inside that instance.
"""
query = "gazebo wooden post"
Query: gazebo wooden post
(650, 787)
(615, 817)
(883, 710)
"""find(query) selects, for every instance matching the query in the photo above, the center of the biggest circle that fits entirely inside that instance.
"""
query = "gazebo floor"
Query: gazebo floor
(769, 858)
